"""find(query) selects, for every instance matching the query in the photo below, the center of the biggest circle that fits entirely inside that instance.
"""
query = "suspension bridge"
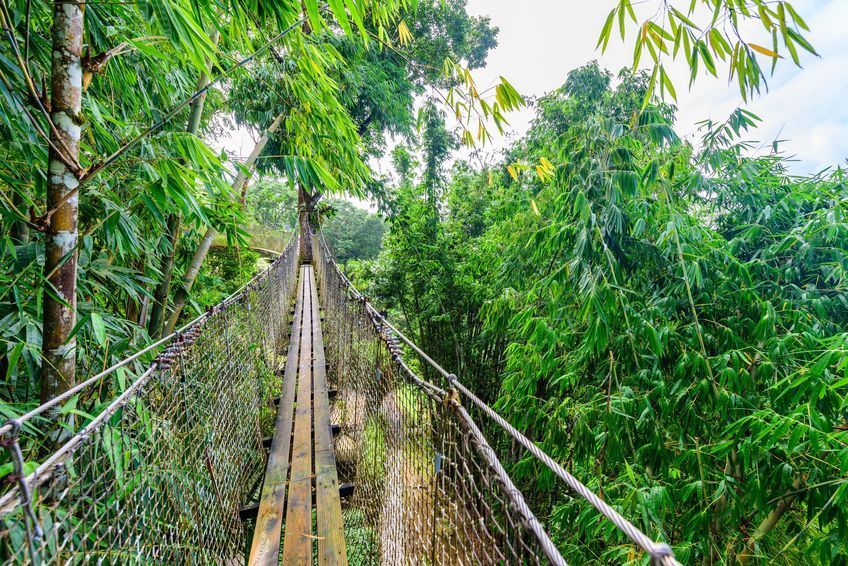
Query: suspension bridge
(290, 422)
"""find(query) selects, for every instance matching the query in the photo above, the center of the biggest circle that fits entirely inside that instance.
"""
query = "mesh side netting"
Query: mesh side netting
(157, 460)
(153, 463)
(428, 488)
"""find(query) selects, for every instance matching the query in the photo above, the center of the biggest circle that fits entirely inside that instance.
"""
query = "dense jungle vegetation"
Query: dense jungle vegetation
(666, 319)
(669, 321)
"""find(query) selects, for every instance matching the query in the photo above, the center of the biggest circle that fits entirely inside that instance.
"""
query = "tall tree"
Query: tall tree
(172, 237)
(60, 266)
(436, 143)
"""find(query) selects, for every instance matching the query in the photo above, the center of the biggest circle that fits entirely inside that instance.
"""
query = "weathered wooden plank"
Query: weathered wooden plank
(331, 543)
(250, 511)
(297, 541)
(265, 548)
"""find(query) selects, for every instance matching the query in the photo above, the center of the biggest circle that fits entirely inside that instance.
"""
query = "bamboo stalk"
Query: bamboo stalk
(60, 266)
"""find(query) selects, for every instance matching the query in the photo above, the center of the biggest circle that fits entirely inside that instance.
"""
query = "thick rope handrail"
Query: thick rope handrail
(448, 398)
(10, 424)
(660, 553)
(488, 453)
(109, 474)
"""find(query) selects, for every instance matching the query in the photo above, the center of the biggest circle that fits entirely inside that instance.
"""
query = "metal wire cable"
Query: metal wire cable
(551, 551)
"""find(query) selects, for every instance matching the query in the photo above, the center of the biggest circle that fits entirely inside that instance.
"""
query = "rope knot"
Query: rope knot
(10, 438)
(452, 398)
(660, 552)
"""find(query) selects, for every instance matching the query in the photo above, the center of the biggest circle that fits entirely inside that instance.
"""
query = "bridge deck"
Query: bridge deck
(303, 417)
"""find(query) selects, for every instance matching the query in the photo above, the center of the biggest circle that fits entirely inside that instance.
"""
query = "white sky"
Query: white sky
(540, 41)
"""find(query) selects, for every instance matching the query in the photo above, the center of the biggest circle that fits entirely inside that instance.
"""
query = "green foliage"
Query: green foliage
(225, 271)
(380, 83)
(361, 540)
(373, 450)
(274, 204)
(442, 28)
(353, 233)
(707, 34)
(342, 82)
(670, 323)
(430, 273)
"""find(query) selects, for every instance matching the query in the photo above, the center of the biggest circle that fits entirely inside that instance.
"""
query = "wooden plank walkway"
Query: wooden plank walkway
(301, 453)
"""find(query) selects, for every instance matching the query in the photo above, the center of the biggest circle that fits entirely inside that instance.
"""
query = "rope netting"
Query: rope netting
(428, 489)
(150, 462)
(429, 486)
(153, 459)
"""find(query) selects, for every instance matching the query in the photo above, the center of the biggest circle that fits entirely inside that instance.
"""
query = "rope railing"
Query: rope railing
(659, 552)
(428, 486)
(17, 422)
(152, 463)
(154, 468)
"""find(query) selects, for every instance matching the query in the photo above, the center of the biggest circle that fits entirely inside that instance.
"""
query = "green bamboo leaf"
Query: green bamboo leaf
(314, 14)
(707, 57)
(356, 10)
(99, 328)
(801, 40)
(606, 31)
(339, 10)
(12, 359)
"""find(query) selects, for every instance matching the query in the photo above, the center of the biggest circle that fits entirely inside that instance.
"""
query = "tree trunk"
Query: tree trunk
(20, 230)
(304, 199)
(145, 306)
(163, 289)
(207, 239)
(304, 208)
(60, 266)
(133, 310)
